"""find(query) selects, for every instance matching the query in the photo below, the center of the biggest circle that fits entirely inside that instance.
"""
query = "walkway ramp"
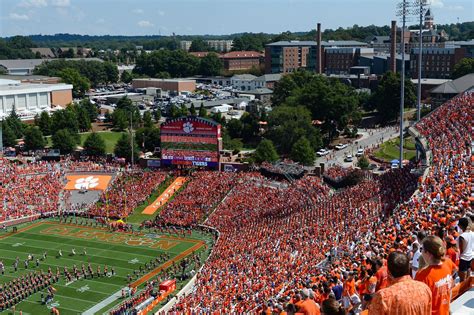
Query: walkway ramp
(165, 196)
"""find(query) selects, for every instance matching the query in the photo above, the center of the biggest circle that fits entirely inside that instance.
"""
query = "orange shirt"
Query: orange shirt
(309, 307)
(440, 281)
(382, 278)
(453, 255)
(349, 288)
(369, 285)
(404, 296)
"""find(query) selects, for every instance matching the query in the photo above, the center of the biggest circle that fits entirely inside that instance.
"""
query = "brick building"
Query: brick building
(437, 63)
(175, 86)
(340, 60)
(241, 60)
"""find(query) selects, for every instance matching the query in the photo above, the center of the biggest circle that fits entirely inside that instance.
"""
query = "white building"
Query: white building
(30, 99)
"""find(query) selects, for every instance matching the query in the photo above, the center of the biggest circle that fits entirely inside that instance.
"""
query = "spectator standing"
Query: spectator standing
(404, 295)
(466, 247)
(438, 274)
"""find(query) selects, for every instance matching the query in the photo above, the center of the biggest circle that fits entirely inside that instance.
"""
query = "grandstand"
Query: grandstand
(275, 245)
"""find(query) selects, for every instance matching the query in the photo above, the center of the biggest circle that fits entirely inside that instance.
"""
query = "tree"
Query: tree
(234, 127)
(80, 84)
(111, 72)
(83, 119)
(64, 140)
(14, 122)
(303, 152)
(156, 115)
(90, 108)
(94, 145)
(8, 136)
(148, 138)
(33, 138)
(288, 124)
(126, 77)
(202, 111)
(123, 148)
(147, 120)
(386, 98)
(198, 45)
(265, 152)
(119, 119)
(463, 67)
(65, 119)
(192, 110)
(210, 65)
(363, 162)
(44, 123)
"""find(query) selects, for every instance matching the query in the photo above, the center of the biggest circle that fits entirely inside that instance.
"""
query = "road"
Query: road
(370, 138)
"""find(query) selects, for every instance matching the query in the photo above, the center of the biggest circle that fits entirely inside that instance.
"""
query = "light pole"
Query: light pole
(421, 4)
(403, 12)
(131, 135)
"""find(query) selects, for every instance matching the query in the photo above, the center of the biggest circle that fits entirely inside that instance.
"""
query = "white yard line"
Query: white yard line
(117, 295)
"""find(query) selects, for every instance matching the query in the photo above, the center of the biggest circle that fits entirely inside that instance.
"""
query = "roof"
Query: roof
(323, 43)
(380, 39)
(248, 77)
(21, 63)
(24, 88)
(199, 54)
(26, 77)
(457, 86)
(44, 51)
(241, 54)
(259, 91)
(163, 80)
(269, 77)
(8, 82)
(430, 81)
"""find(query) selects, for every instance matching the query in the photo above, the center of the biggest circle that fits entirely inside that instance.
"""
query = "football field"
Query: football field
(123, 252)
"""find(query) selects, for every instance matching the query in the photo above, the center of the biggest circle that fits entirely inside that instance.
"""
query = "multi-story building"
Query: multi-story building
(241, 60)
(437, 63)
(220, 45)
(288, 56)
(175, 86)
(185, 45)
(340, 60)
(29, 99)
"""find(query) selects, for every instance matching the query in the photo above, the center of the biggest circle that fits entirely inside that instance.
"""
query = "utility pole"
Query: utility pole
(1, 136)
(131, 135)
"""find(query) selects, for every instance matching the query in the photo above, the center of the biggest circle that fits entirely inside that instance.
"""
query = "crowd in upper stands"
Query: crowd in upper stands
(271, 240)
(306, 248)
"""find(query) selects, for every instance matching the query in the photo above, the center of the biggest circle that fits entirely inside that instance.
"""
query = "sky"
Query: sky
(200, 17)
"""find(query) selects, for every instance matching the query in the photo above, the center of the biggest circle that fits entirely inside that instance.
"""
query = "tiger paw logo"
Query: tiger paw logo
(188, 127)
(86, 183)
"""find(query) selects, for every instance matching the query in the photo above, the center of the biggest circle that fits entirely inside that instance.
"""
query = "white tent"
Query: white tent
(242, 105)
(224, 108)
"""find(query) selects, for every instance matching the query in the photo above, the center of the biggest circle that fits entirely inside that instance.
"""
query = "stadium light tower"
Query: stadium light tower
(403, 11)
(421, 8)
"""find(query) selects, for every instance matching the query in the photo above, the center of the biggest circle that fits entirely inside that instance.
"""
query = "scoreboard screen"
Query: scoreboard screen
(191, 141)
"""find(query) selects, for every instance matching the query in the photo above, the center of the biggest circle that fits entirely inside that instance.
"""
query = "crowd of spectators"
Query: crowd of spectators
(337, 172)
(129, 189)
(272, 239)
(197, 199)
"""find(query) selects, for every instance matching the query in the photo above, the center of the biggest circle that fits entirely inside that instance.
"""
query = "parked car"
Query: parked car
(341, 146)
(360, 152)
(348, 158)
(322, 152)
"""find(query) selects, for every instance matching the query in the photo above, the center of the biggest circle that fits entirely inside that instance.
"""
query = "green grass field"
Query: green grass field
(110, 139)
(122, 251)
(390, 150)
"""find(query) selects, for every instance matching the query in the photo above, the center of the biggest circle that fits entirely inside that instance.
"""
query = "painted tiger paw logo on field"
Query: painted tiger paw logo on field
(188, 127)
(86, 183)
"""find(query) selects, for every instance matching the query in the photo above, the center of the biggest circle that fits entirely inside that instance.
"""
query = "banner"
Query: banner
(163, 198)
(87, 182)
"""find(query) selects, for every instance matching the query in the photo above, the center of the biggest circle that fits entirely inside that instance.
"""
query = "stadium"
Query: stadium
(98, 237)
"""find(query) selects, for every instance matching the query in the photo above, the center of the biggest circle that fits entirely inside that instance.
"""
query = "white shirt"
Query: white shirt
(468, 252)
(415, 263)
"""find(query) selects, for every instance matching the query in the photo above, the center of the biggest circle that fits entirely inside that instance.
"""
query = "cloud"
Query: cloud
(60, 3)
(436, 3)
(138, 11)
(100, 21)
(145, 24)
(455, 7)
(19, 17)
(33, 3)
(161, 13)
